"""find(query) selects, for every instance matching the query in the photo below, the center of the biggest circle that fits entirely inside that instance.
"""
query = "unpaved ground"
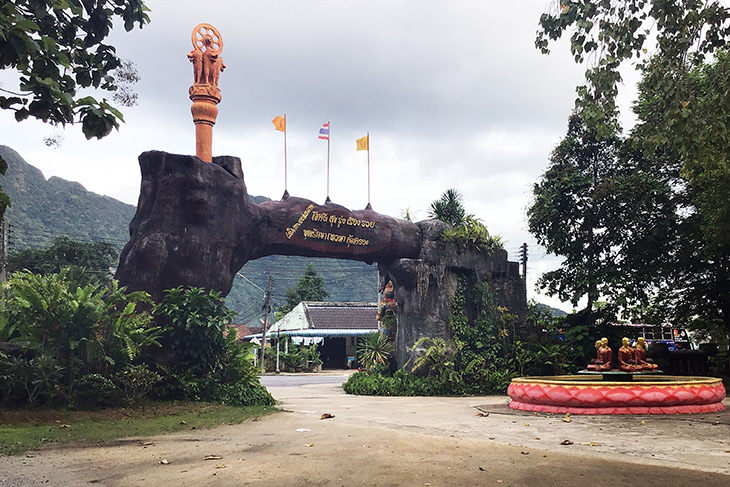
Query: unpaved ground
(400, 441)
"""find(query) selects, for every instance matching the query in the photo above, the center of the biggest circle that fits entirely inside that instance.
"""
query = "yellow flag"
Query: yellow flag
(363, 143)
(280, 123)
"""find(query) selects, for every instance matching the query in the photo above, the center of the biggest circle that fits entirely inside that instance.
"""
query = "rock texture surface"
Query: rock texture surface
(424, 287)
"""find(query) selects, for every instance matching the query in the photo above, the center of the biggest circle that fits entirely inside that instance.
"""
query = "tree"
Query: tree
(466, 229)
(683, 117)
(88, 262)
(611, 32)
(689, 127)
(309, 288)
(601, 206)
(57, 48)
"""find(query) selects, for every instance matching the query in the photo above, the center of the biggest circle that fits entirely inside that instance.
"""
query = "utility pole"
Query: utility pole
(4, 239)
(523, 260)
(266, 308)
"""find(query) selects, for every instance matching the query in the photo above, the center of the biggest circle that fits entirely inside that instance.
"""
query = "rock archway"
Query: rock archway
(195, 226)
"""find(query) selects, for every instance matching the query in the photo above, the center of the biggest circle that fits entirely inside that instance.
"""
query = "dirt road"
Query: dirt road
(399, 441)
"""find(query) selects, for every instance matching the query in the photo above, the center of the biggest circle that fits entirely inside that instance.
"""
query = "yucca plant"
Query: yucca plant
(374, 349)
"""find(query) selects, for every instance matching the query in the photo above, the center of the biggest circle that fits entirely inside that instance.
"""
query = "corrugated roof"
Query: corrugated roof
(342, 316)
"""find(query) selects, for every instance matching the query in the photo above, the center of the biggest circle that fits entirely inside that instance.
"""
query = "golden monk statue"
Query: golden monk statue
(626, 357)
(640, 356)
(604, 356)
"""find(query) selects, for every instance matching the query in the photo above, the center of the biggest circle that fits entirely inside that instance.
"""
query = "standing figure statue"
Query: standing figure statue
(205, 56)
(640, 356)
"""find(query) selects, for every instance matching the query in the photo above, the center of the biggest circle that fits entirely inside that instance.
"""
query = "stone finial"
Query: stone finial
(207, 67)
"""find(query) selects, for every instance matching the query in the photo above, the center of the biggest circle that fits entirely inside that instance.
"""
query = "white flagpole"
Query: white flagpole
(286, 189)
(368, 207)
(329, 137)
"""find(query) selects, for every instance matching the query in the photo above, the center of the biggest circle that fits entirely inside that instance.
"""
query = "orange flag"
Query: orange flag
(363, 143)
(280, 123)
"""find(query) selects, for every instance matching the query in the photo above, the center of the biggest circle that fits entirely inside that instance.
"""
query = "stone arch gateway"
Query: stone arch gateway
(195, 226)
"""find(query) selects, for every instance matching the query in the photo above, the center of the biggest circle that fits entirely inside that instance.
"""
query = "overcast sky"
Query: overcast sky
(452, 92)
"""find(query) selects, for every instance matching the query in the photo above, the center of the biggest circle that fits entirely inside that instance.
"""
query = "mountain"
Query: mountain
(42, 210)
(555, 312)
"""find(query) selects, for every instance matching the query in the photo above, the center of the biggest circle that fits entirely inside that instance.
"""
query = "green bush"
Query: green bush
(401, 383)
(135, 382)
(67, 332)
(243, 395)
(94, 391)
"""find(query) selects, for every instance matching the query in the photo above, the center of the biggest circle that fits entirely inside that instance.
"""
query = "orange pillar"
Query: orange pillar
(205, 111)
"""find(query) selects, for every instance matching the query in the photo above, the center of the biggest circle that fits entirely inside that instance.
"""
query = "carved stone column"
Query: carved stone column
(207, 66)
(205, 110)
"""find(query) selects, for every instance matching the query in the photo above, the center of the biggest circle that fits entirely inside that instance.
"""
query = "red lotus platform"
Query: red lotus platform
(643, 394)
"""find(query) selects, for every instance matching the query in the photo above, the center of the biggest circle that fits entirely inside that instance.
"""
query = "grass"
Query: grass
(23, 430)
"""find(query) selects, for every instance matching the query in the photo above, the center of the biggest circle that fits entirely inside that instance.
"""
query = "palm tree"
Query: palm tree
(448, 208)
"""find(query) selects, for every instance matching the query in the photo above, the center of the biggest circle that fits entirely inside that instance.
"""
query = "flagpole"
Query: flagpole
(286, 189)
(329, 136)
(368, 207)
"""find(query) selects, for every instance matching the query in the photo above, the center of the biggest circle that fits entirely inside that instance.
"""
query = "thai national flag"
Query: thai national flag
(324, 132)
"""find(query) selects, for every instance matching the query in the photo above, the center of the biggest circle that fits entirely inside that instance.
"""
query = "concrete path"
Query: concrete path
(386, 441)
(700, 442)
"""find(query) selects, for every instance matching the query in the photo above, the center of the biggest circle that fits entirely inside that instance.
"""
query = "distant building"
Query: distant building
(335, 327)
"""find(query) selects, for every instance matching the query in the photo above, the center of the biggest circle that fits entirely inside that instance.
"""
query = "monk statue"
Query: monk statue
(640, 356)
(604, 355)
(626, 357)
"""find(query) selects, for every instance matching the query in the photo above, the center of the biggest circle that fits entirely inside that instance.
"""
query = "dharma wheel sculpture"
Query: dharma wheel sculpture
(207, 67)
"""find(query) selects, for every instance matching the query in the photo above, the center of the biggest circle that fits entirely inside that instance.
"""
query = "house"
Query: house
(335, 327)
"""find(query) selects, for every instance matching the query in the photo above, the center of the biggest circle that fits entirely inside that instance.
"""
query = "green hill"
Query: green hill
(45, 209)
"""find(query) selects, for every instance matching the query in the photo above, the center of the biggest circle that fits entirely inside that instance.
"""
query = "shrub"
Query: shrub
(243, 395)
(374, 348)
(135, 382)
(68, 332)
(94, 391)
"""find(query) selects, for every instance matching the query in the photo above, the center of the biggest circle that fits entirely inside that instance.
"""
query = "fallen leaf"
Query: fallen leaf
(537, 437)
(527, 424)
(327, 416)
(309, 445)
(213, 457)
(219, 465)
(592, 444)
(183, 422)
(567, 419)
(727, 451)
(164, 462)
(566, 442)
